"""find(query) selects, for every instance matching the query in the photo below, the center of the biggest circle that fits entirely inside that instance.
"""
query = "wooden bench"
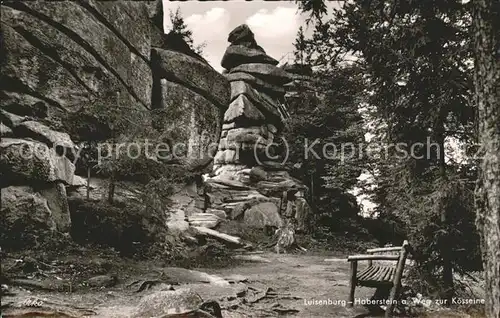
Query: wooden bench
(379, 275)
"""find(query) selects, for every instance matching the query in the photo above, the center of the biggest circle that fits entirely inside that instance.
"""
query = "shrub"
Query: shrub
(130, 228)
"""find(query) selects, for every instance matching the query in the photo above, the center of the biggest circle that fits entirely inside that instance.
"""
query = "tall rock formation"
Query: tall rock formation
(59, 60)
(248, 180)
(90, 61)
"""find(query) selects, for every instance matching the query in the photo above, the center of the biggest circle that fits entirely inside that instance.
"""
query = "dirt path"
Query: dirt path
(278, 285)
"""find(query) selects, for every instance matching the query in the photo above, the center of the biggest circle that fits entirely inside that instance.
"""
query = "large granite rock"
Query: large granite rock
(10, 119)
(54, 139)
(192, 73)
(85, 60)
(242, 109)
(169, 303)
(252, 135)
(262, 215)
(20, 202)
(130, 22)
(229, 154)
(241, 33)
(266, 72)
(57, 201)
(273, 90)
(177, 221)
(178, 303)
(189, 121)
(239, 54)
(5, 131)
(246, 135)
(29, 217)
(266, 104)
(72, 69)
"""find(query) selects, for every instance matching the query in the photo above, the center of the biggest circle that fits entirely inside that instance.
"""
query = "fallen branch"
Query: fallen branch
(218, 235)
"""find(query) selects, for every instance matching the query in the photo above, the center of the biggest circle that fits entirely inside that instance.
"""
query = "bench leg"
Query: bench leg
(396, 284)
(392, 297)
(352, 287)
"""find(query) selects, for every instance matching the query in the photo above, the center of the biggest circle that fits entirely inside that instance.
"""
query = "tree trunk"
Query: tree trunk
(449, 288)
(88, 182)
(111, 188)
(486, 24)
(112, 177)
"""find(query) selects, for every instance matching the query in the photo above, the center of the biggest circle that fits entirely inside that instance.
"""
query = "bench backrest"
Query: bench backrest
(401, 251)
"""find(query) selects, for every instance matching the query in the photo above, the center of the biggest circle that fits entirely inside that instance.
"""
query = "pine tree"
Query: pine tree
(179, 27)
(324, 116)
(300, 46)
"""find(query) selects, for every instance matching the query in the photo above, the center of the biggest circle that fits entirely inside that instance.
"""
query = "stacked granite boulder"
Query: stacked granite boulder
(254, 115)
(248, 181)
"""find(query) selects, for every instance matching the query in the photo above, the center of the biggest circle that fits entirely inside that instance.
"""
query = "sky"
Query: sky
(274, 23)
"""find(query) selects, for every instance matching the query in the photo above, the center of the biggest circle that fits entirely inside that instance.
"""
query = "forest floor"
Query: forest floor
(264, 285)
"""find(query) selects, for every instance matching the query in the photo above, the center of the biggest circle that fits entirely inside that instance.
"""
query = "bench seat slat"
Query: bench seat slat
(375, 274)
(382, 273)
(367, 272)
(379, 274)
(389, 275)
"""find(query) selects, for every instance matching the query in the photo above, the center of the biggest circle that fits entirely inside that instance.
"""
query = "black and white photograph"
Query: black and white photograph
(250, 158)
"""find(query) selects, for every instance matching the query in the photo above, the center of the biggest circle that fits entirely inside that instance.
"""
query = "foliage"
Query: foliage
(317, 8)
(323, 120)
(132, 151)
(341, 243)
(300, 46)
(131, 228)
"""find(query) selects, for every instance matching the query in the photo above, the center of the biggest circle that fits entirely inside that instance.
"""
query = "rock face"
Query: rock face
(190, 98)
(65, 56)
(58, 60)
(197, 75)
(85, 62)
(248, 180)
(28, 215)
(33, 162)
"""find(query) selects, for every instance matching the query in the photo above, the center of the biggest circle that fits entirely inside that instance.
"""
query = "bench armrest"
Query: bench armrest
(384, 249)
(366, 257)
